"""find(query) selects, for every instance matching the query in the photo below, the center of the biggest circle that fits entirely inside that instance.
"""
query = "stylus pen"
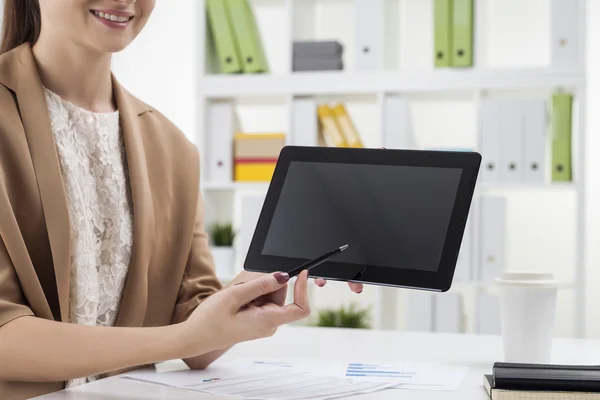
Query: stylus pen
(316, 261)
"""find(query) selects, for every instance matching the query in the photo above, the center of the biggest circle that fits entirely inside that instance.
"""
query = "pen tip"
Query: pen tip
(344, 247)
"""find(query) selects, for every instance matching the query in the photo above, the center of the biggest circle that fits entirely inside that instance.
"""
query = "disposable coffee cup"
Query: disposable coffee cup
(527, 313)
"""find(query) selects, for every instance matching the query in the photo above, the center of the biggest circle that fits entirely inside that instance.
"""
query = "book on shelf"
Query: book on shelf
(256, 155)
(561, 137)
(336, 126)
(248, 37)
(332, 132)
(222, 37)
(236, 37)
(347, 126)
(453, 33)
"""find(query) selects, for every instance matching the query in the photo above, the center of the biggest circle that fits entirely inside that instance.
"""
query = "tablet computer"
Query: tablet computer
(401, 212)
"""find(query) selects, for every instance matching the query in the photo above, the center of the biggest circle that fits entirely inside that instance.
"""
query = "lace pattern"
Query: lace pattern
(95, 177)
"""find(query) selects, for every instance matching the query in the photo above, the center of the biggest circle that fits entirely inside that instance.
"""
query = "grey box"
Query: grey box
(317, 49)
(315, 64)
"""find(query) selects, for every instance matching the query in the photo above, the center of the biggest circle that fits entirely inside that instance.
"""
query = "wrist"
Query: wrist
(180, 339)
(190, 343)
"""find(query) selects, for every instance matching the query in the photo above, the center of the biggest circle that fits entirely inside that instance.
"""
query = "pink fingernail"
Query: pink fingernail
(281, 277)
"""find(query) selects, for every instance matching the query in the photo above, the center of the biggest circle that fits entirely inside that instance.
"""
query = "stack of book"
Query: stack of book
(235, 37)
(255, 156)
(336, 128)
(514, 381)
(317, 56)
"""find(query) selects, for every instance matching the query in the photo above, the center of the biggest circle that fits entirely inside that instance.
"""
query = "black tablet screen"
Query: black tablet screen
(390, 216)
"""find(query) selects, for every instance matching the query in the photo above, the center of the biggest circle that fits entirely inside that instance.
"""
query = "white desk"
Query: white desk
(476, 352)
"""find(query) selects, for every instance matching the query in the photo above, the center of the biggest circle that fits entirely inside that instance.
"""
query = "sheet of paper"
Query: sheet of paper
(406, 375)
(263, 380)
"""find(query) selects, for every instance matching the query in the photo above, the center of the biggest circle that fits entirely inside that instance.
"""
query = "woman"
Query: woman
(104, 263)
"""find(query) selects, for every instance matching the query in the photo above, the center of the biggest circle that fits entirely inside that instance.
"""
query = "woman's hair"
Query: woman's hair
(22, 23)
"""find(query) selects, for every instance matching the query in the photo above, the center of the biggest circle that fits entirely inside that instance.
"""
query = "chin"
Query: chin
(113, 46)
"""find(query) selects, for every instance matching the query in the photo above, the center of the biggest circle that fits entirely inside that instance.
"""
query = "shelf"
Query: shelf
(566, 186)
(345, 83)
(263, 186)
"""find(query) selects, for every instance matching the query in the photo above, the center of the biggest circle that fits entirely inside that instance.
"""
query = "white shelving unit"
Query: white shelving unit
(297, 19)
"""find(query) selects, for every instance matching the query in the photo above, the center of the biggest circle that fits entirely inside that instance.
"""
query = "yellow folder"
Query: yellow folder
(462, 33)
(331, 130)
(347, 127)
(442, 32)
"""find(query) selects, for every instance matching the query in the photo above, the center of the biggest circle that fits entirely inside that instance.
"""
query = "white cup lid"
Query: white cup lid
(529, 279)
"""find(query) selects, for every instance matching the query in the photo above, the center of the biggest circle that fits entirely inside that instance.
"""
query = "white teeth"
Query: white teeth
(110, 17)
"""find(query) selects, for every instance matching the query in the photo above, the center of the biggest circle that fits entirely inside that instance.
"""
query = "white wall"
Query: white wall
(161, 68)
(161, 65)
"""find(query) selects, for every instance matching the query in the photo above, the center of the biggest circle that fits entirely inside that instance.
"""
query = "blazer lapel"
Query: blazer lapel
(20, 75)
(24, 80)
(135, 296)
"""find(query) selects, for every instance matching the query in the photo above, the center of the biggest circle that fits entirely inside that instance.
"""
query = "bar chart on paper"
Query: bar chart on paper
(409, 375)
(377, 371)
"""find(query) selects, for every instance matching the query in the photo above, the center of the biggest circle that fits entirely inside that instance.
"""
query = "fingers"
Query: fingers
(269, 283)
(320, 282)
(300, 308)
(356, 287)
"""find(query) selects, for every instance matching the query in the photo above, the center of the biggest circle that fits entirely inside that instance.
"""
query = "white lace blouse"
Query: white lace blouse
(95, 178)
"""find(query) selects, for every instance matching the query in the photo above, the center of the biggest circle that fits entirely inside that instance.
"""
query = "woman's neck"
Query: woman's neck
(76, 74)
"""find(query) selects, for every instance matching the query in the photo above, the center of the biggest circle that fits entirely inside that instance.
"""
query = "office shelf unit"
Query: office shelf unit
(299, 19)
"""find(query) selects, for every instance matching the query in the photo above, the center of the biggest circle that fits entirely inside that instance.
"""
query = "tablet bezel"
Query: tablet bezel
(440, 280)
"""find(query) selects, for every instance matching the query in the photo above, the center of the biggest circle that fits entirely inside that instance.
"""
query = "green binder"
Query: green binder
(561, 137)
(462, 33)
(248, 37)
(223, 37)
(442, 16)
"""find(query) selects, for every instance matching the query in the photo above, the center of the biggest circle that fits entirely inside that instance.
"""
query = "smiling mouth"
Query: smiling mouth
(112, 18)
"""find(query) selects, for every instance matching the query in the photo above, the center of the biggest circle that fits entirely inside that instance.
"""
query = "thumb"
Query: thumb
(255, 288)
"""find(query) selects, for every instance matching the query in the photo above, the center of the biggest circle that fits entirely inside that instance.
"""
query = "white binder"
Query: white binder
(462, 272)
(489, 140)
(396, 123)
(493, 237)
(220, 126)
(565, 46)
(448, 312)
(420, 311)
(369, 28)
(305, 126)
(250, 208)
(487, 321)
(534, 139)
(511, 141)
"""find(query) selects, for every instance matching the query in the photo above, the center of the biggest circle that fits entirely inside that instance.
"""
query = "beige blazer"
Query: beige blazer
(171, 269)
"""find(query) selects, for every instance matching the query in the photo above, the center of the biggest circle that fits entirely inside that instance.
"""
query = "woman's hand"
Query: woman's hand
(245, 276)
(245, 311)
